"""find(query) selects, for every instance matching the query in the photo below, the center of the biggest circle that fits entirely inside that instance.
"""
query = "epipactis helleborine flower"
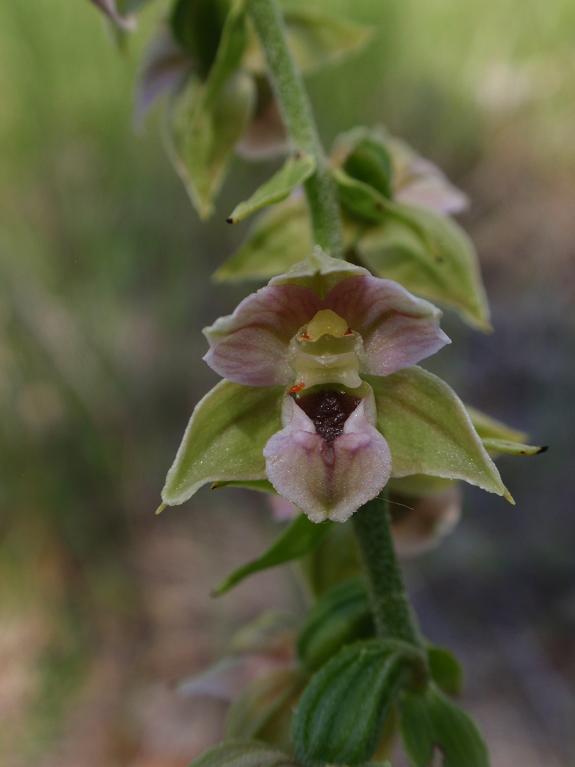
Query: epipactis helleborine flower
(318, 333)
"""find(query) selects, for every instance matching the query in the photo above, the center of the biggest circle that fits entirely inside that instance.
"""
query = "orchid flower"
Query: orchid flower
(321, 397)
(318, 341)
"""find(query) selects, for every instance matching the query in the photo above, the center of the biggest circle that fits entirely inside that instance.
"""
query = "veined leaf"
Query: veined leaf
(224, 439)
(292, 174)
(243, 753)
(297, 540)
(431, 721)
(279, 239)
(429, 430)
(341, 616)
(445, 670)
(341, 714)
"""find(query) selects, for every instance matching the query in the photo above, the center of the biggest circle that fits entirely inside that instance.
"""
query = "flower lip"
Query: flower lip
(328, 409)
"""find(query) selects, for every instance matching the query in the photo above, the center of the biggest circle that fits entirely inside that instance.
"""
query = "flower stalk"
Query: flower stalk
(297, 114)
(390, 605)
(392, 611)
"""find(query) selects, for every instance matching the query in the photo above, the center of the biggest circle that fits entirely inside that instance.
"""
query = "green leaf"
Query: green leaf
(207, 119)
(429, 431)
(431, 721)
(202, 133)
(445, 670)
(490, 428)
(224, 439)
(292, 174)
(243, 753)
(274, 244)
(264, 710)
(316, 38)
(341, 616)
(341, 714)
(430, 255)
(506, 447)
(296, 541)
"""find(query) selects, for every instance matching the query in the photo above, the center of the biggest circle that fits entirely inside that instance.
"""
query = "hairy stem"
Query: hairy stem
(389, 602)
(299, 121)
(391, 608)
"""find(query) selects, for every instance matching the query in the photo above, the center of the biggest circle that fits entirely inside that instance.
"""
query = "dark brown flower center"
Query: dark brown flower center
(329, 410)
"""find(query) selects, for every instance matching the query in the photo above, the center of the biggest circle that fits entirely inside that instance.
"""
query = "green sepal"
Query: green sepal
(224, 439)
(430, 255)
(445, 670)
(243, 753)
(506, 447)
(207, 119)
(316, 38)
(342, 712)
(418, 485)
(430, 721)
(264, 710)
(490, 428)
(341, 616)
(297, 540)
(273, 245)
(292, 174)
(429, 430)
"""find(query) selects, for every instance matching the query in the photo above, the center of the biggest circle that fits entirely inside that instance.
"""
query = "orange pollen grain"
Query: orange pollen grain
(297, 388)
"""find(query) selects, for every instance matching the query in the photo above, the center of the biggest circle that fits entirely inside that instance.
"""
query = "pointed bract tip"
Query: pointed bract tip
(508, 497)
(160, 508)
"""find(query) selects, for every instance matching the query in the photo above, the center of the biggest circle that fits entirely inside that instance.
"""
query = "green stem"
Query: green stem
(296, 110)
(391, 608)
(389, 602)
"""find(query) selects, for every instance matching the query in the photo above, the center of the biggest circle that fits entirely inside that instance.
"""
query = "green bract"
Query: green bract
(292, 174)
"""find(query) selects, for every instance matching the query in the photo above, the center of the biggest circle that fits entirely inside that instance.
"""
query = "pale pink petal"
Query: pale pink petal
(250, 346)
(419, 182)
(282, 510)
(398, 329)
(164, 67)
(435, 193)
(419, 524)
(110, 8)
(327, 479)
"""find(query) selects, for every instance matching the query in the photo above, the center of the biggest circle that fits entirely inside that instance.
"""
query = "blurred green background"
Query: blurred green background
(104, 270)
